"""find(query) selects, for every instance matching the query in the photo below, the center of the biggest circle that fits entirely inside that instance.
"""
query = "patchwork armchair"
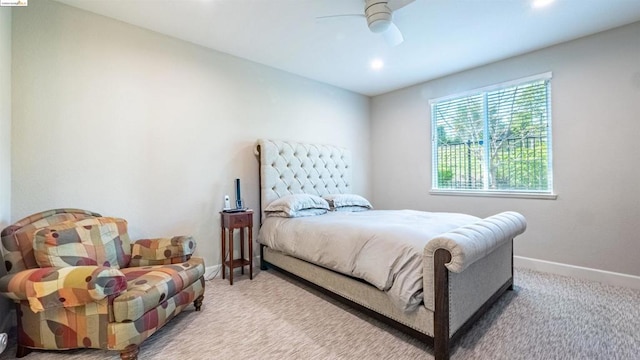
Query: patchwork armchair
(79, 282)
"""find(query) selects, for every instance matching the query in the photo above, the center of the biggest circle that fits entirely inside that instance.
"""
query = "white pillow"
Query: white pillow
(297, 205)
(351, 208)
(347, 202)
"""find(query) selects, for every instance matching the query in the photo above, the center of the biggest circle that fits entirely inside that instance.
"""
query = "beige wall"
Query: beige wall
(595, 107)
(5, 143)
(130, 123)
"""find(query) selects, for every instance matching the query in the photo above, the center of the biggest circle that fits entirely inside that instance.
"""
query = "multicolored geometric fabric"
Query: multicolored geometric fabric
(94, 241)
(48, 288)
(17, 239)
(150, 286)
(89, 326)
(163, 248)
(64, 328)
(68, 306)
(146, 262)
(122, 334)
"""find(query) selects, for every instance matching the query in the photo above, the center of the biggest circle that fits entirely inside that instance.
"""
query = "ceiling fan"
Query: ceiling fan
(379, 15)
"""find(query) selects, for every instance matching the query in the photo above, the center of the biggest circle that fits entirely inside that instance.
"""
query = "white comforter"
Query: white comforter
(382, 247)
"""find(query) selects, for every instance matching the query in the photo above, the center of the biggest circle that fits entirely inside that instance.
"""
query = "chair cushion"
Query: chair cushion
(95, 241)
(150, 286)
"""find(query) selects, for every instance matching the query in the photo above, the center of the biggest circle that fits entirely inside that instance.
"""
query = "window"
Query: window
(494, 140)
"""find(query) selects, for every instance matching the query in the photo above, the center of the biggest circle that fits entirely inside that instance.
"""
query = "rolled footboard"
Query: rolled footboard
(465, 271)
(468, 244)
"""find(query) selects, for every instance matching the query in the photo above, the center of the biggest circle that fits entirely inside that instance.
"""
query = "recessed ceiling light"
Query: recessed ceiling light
(536, 4)
(377, 64)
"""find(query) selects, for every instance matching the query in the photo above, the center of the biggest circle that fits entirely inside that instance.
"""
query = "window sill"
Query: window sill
(500, 194)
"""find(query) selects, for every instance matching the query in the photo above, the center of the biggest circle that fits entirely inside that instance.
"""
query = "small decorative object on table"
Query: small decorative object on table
(239, 219)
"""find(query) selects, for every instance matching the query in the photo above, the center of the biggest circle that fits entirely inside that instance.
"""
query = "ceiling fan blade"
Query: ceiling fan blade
(338, 16)
(397, 4)
(393, 36)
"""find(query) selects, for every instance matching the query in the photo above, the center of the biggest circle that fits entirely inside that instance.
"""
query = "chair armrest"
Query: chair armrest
(467, 244)
(53, 287)
(162, 250)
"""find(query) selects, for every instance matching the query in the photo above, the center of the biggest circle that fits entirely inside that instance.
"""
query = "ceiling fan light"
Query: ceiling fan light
(379, 25)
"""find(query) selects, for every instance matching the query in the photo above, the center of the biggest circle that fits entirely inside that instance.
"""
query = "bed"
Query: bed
(453, 266)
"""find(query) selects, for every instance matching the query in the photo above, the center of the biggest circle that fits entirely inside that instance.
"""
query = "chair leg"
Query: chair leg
(198, 302)
(22, 351)
(130, 352)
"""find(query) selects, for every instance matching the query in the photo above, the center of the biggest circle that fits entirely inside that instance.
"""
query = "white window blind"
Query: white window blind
(494, 139)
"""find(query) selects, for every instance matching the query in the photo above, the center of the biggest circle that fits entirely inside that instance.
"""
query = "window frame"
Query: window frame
(516, 193)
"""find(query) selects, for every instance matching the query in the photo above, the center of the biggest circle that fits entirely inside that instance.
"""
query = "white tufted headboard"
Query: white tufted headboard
(298, 168)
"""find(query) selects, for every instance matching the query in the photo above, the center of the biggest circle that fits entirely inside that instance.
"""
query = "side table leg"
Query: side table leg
(223, 240)
(242, 250)
(230, 256)
(250, 253)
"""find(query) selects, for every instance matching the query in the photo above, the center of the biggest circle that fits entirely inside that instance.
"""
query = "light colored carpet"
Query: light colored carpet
(272, 317)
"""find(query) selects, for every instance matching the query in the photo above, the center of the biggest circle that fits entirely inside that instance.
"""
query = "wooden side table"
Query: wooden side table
(229, 222)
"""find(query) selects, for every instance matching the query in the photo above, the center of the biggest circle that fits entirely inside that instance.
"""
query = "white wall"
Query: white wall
(596, 138)
(5, 144)
(131, 123)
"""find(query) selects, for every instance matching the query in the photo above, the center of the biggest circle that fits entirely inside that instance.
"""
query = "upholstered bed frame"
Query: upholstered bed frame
(465, 271)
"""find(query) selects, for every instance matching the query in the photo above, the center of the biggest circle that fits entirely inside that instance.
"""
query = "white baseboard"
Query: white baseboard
(210, 272)
(213, 271)
(605, 277)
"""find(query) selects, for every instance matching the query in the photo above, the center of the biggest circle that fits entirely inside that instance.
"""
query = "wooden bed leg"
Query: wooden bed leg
(263, 264)
(441, 315)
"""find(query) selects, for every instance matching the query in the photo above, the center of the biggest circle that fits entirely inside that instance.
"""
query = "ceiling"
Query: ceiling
(441, 36)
